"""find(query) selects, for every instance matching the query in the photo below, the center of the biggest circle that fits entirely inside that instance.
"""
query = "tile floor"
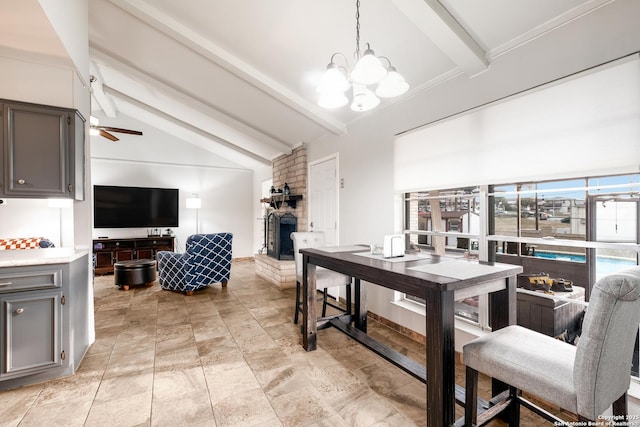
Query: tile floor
(223, 357)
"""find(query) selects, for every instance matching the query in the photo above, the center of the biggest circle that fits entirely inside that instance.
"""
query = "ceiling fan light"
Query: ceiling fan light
(332, 100)
(363, 99)
(393, 85)
(94, 131)
(94, 121)
(369, 69)
(333, 80)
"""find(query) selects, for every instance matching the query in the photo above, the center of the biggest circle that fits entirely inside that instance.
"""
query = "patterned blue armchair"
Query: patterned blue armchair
(206, 260)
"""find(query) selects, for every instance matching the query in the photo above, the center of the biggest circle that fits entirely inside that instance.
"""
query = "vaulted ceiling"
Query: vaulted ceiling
(238, 77)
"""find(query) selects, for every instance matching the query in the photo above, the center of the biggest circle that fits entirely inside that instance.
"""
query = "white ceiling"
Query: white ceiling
(238, 77)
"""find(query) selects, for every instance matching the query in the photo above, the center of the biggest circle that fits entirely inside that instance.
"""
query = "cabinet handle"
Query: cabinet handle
(5, 283)
(20, 311)
(21, 181)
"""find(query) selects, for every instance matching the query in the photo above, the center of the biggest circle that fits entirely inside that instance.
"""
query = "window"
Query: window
(445, 220)
(586, 227)
(546, 210)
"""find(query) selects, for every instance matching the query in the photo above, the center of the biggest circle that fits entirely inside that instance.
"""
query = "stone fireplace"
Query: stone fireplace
(276, 265)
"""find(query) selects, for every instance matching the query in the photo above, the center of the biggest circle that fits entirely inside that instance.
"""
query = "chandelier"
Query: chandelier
(368, 70)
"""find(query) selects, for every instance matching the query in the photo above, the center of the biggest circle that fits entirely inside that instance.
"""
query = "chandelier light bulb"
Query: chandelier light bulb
(363, 99)
(392, 85)
(368, 70)
(331, 100)
(333, 80)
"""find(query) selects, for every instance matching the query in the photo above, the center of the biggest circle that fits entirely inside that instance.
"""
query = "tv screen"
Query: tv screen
(129, 207)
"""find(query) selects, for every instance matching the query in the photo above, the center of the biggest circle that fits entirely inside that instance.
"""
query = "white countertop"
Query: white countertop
(24, 257)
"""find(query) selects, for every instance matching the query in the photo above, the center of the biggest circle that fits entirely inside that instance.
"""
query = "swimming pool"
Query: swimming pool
(604, 265)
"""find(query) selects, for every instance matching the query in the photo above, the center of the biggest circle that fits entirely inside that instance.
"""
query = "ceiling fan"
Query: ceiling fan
(96, 129)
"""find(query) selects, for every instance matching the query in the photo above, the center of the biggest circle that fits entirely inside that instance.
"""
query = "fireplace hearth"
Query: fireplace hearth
(279, 229)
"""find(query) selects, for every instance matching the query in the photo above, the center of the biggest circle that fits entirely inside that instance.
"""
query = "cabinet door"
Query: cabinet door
(146, 253)
(124, 255)
(32, 333)
(36, 153)
(104, 259)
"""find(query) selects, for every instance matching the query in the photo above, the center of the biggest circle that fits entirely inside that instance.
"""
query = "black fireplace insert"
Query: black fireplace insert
(279, 229)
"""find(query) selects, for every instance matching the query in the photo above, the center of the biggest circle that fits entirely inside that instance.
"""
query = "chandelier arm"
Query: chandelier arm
(343, 57)
(387, 59)
(357, 30)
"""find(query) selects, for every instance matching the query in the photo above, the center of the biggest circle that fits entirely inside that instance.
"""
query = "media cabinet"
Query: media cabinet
(110, 251)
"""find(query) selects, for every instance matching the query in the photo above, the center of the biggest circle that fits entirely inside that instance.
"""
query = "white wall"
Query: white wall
(259, 178)
(368, 204)
(227, 203)
(157, 159)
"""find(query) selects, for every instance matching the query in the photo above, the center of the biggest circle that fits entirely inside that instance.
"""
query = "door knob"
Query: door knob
(20, 311)
(21, 181)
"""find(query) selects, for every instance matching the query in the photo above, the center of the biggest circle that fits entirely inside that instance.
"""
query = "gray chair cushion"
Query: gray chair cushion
(527, 360)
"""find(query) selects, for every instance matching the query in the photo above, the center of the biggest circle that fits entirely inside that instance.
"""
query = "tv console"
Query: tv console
(109, 251)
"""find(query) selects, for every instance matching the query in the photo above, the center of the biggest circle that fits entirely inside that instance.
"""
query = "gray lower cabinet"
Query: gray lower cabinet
(44, 321)
(42, 151)
(33, 333)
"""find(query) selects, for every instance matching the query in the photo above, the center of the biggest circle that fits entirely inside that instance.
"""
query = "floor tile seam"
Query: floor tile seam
(238, 347)
(210, 393)
(32, 404)
(95, 394)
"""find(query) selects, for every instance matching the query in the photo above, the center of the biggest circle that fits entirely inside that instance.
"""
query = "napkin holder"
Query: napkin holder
(393, 246)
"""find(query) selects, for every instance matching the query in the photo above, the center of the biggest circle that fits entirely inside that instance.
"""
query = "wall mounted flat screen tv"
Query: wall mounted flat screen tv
(129, 207)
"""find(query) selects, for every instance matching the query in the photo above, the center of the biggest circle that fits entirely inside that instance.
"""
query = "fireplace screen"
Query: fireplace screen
(279, 228)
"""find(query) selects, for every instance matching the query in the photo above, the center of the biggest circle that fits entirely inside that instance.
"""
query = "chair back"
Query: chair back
(602, 369)
(302, 240)
(208, 255)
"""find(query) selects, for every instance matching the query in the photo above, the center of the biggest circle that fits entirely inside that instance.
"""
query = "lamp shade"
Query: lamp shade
(363, 99)
(368, 69)
(194, 203)
(392, 85)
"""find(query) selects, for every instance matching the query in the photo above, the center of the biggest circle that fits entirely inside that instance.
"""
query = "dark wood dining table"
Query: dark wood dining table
(440, 281)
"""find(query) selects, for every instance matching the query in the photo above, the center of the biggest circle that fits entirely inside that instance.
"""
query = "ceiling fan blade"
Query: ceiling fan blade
(108, 135)
(129, 131)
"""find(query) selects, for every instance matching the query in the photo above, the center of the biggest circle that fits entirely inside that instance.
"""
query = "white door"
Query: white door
(323, 198)
(323, 202)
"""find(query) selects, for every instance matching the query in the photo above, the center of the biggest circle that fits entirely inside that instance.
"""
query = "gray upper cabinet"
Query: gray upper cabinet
(42, 151)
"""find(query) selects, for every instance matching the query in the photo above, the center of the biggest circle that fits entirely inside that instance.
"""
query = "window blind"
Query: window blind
(585, 124)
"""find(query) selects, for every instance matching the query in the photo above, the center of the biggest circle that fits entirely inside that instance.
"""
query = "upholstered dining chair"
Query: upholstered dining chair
(585, 379)
(206, 260)
(324, 278)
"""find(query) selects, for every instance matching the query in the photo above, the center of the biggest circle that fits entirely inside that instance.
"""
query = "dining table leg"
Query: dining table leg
(309, 320)
(360, 306)
(440, 357)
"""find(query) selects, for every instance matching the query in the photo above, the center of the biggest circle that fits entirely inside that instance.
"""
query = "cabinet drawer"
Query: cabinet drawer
(28, 280)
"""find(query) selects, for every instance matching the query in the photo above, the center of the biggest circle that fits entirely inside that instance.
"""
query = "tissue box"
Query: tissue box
(393, 246)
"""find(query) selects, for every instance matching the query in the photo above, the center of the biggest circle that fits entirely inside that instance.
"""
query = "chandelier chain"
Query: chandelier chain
(357, 29)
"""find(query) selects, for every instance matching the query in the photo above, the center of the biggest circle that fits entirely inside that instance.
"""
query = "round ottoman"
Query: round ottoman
(134, 272)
